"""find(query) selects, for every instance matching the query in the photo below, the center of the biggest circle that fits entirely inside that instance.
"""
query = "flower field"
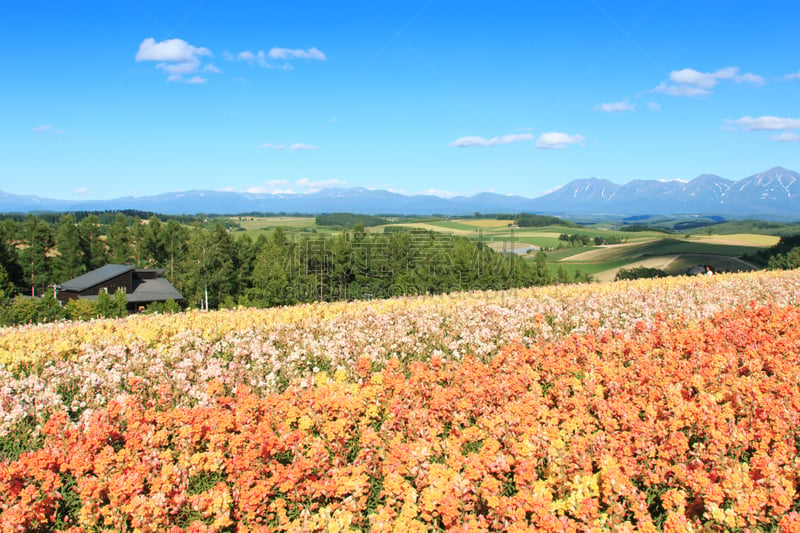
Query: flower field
(669, 404)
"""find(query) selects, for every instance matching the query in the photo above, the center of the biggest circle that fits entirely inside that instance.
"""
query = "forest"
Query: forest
(213, 267)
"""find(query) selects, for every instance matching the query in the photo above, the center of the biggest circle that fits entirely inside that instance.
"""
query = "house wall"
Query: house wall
(65, 296)
(124, 281)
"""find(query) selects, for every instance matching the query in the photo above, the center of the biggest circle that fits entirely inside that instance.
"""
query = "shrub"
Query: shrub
(81, 310)
(112, 307)
(639, 273)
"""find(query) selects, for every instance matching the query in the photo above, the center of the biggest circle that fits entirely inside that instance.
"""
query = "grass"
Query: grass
(746, 239)
(259, 223)
(457, 225)
(718, 263)
(671, 264)
(667, 246)
(485, 223)
(444, 227)
(593, 269)
(674, 256)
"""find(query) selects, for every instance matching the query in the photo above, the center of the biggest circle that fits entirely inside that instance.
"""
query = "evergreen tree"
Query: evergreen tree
(175, 239)
(37, 240)
(92, 246)
(209, 271)
(246, 253)
(6, 287)
(270, 280)
(119, 241)
(9, 258)
(141, 257)
(154, 243)
(70, 262)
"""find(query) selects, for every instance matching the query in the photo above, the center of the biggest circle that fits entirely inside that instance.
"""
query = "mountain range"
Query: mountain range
(773, 194)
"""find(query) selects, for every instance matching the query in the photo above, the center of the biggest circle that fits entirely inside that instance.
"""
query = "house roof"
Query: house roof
(148, 290)
(153, 290)
(95, 277)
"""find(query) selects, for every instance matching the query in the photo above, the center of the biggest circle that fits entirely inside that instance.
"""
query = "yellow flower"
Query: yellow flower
(305, 422)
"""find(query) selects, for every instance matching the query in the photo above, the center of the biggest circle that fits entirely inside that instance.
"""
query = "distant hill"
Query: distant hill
(773, 194)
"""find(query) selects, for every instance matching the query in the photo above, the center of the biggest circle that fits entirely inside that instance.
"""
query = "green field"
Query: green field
(653, 249)
(674, 256)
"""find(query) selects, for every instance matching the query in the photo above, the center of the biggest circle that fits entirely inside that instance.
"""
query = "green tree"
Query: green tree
(154, 243)
(209, 271)
(246, 251)
(6, 287)
(138, 232)
(9, 258)
(270, 279)
(92, 246)
(48, 309)
(175, 239)
(541, 274)
(787, 261)
(70, 262)
(639, 272)
(115, 306)
(37, 241)
(119, 241)
(81, 309)
(19, 311)
(31, 311)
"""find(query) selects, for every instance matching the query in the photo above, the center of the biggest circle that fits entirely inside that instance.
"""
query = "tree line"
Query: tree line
(212, 268)
(577, 239)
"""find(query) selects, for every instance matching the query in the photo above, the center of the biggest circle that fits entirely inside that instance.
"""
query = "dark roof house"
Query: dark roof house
(141, 286)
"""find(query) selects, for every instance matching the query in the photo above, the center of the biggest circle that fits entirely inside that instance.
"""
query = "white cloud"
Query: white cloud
(690, 83)
(272, 187)
(795, 76)
(680, 90)
(755, 79)
(300, 186)
(177, 58)
(171, 50)
(440, 193)
(194, 80)
(81, 191)
(186, 67)
(554, 140)
(706, 80)
(463, 142)
(653, 106)
(287, 53)
(278, 54)
(614, 107)
(296, 147)
(259, 57)
(765, 123)
(47, 129)
(318, 185)
(786, 136)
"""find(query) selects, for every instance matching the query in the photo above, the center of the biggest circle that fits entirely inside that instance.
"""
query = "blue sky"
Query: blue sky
(100, 99)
